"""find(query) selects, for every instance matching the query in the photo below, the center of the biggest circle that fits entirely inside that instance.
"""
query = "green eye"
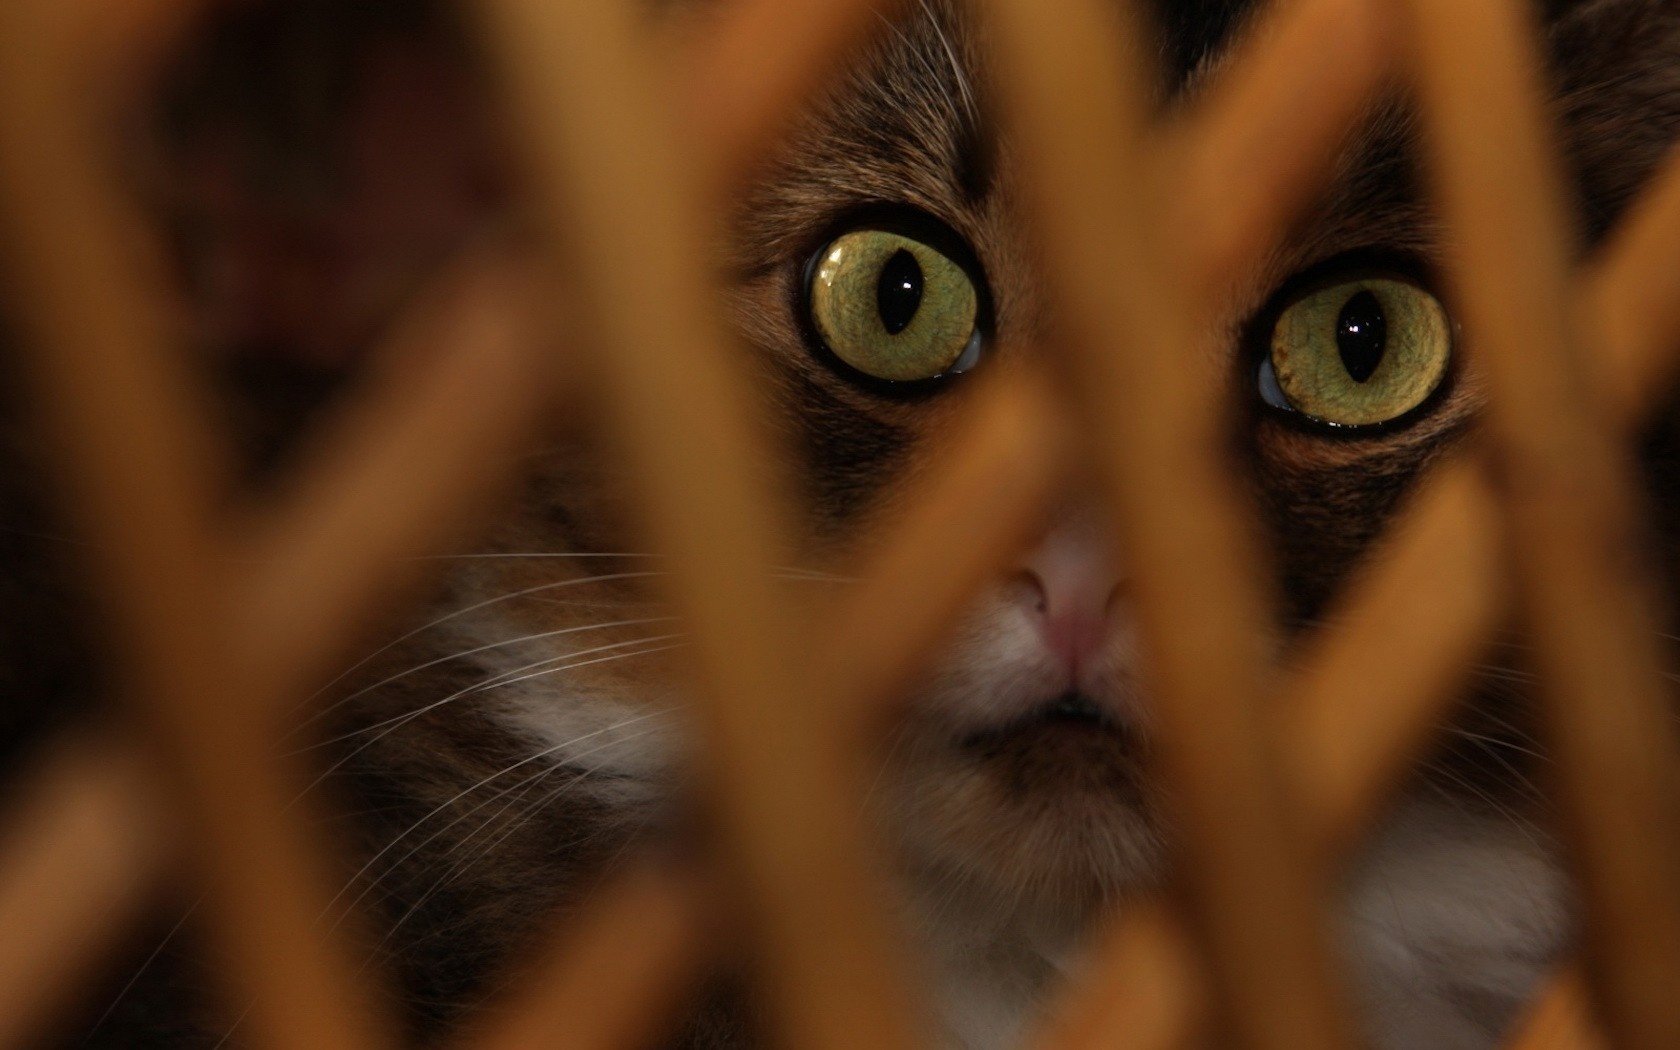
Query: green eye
(894, 308)
(1357, 353)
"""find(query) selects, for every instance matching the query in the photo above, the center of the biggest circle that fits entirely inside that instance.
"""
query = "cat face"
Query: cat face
(877, 269)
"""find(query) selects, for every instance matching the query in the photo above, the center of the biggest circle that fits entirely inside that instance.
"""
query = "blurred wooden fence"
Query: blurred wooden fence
(228, 618)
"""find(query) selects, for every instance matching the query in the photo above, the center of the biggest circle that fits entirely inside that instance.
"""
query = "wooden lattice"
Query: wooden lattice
(227, 618)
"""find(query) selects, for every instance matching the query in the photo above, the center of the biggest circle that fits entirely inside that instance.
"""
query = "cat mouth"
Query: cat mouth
(1071, 715)
(1071, 750)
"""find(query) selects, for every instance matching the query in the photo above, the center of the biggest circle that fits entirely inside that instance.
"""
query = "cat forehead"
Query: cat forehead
(907, 121)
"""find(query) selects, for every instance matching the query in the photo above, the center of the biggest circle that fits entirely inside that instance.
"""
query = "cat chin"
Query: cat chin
(1054, 818)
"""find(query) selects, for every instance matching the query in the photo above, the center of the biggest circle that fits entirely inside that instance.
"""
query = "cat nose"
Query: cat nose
(1070, 588)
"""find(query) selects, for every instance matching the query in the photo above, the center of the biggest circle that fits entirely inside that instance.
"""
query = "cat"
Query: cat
(529, 733)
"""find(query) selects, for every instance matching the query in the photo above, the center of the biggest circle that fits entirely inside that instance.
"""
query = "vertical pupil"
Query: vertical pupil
(899, 294)
(1361, 335)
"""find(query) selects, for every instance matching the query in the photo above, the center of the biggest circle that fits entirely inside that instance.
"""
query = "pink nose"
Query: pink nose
(1071, 591)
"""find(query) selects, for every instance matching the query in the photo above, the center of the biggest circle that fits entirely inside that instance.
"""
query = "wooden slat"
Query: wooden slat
(141, 473)
(1258, 144)
(122, 45)
(1372, 691)
(1141, 989)
(1632, 296)
(756, 67)
(787, 802)
(989, 484)
(1561, 1019)
(1568, 493)
(82, 846)
(400, 477)
(1256, 895)
(615, 974)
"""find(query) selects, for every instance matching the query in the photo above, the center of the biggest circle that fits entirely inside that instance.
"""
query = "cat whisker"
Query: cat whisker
(1491, 744)
(789, 571)
(463, 793)
(402, 720)
(140, 971)
(475, 607)
(549, 665)
(525, 814)
(491, 555)
(232, 1027)
(782, 572)
(812, 576)
(959, 72)
(1498, 806)
(355, 905)
(934, 80)
(504, 643)
(1503, 673)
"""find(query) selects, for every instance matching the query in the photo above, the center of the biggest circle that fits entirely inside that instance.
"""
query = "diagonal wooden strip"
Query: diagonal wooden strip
(1360, 712)
(122, 45)
(82, 846)
(1568, 493)
(979, 499)
(1262, 137)
(787, 800)
(1140, 990)
(614, 976)
(1256, 893)
(754, 69)
(1561, 1019)
(140, 468)
(399, 477)
(152, 412)
(1632, 296)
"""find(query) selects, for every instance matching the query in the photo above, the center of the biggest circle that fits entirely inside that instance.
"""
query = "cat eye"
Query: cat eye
(894, 308)
(1357, 353)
